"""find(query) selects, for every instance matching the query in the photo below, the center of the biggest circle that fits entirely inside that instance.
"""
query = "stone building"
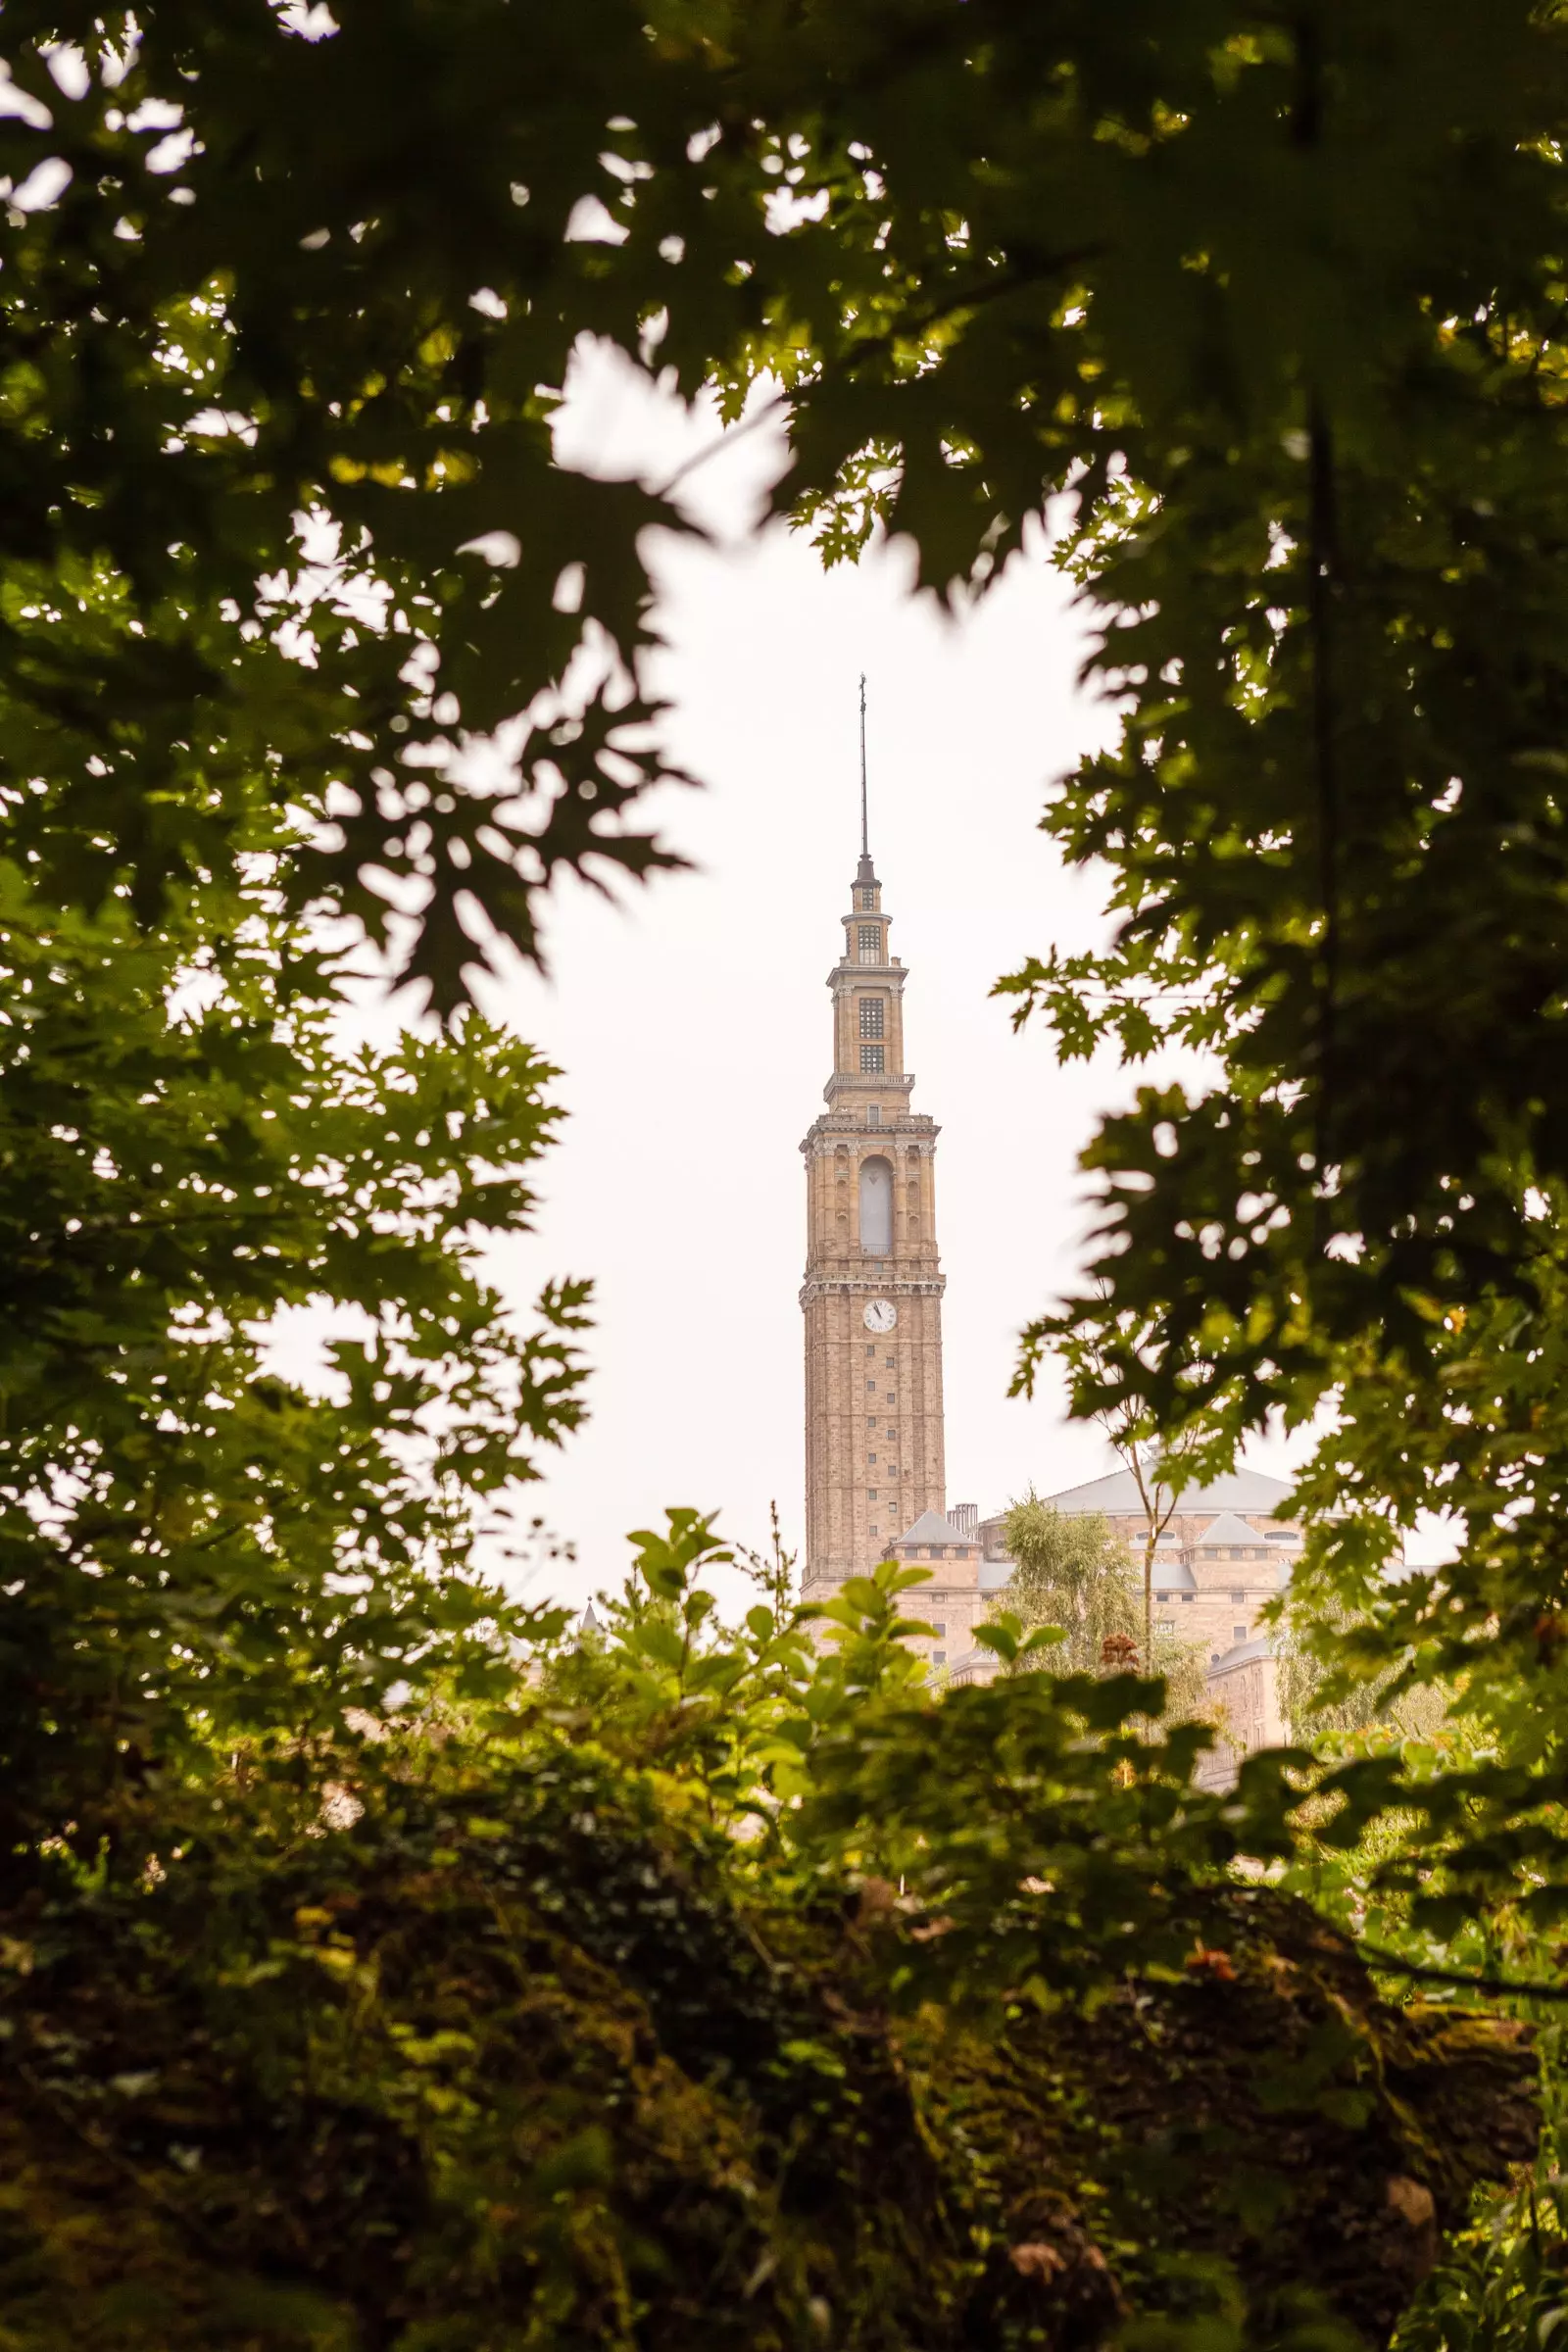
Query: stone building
(873, 1294)
(1244, 1693)
(1226, 1549)
(875, 1472)
(1214, 1568)
(955, 1601)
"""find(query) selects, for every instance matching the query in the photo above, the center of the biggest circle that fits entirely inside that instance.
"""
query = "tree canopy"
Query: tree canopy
(1072, 1573)
(1258, 308)
(285, 318)
(195, 1548)
(1256, 315)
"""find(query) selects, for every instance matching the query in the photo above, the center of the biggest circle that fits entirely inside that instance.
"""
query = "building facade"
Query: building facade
(952, 1601)
(1226, 1549)
(873, 1294)
(875, 1469)
(1243, 1698)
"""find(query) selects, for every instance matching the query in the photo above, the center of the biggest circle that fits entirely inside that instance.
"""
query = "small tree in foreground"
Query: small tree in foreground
(1073, 1572)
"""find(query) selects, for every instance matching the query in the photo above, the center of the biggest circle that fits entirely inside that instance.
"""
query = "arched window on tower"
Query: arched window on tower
(877, 1207)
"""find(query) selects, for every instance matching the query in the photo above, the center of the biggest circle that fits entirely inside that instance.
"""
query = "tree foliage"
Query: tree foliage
(1070, 1572)
(569, 2038)
(285, 351)
(1260, 308)
(281, 359)
(194, 1547)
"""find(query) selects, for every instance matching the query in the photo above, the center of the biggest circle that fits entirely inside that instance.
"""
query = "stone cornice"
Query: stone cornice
(881, 975)
(824, 1139)
(885, 1284)
(868, 1082)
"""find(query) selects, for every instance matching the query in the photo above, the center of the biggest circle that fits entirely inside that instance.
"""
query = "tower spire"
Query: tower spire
(872, 1294)
(865, 878)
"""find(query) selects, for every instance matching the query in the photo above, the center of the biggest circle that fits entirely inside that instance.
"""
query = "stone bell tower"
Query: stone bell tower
(872, 1294)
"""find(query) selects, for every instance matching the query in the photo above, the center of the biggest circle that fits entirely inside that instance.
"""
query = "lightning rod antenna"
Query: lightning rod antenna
(866, 835)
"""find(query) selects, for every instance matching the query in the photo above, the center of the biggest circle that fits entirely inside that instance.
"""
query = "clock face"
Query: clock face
(881, 1315)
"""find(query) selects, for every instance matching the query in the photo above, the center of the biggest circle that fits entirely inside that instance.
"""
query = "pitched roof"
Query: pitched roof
(1235, 1490)
(588, 1623)
(932, 1528)
(1228, 1529)
(1173, 1576)
(1170, 1574)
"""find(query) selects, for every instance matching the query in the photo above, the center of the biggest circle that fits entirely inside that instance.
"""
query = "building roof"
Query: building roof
(587, 1623)
(1241, 1653)
(1173, 1576)
(976, 1665)
(932, 1528)
(1228, 1529)
(1235, 1490)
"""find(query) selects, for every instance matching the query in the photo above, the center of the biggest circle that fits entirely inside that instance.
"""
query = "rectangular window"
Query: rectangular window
(939, 1657)
(1236, 1599)
(867, 901)
(1238, 1633)
(1188, 1596)
(874, 1116)
(870, 1060)
(871, 1012)
(938, 1631)
(1164, 1625)
(869, 944)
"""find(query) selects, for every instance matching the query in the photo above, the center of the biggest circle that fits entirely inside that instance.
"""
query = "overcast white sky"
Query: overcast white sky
(692, 1020)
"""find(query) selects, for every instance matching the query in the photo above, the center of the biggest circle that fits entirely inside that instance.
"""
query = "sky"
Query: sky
(691, 1019)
